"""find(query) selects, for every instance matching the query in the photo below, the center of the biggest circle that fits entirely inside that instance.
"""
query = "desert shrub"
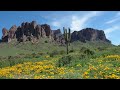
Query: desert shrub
(9, 57)
(102, 54)
(53, 53)
(71, 51)
(28, 56)
(13, 61)
(83, 49)
(88, 52)
(82, 56)
(46, 41)
(72, 61)
(10, 61)
(36, 55)
(65, 60)
(62, 52)
(33, 54)
(101, 48)
(21, 54)
(40, 53)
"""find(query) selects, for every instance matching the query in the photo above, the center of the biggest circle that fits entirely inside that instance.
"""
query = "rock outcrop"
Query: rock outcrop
(47, 29)
(12, 31)
(31, 31)
(5, 35)
(40, 31)
(58, 37)
(89, 34)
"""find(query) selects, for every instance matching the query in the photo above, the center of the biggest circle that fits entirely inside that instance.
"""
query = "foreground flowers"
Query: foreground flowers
(100, 68)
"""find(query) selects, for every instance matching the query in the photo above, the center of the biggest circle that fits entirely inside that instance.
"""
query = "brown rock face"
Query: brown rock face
(33, 24)
(4, 32)
(56, 32)
(40, 31)
(27, 32)
(33, 32)
(12, 31)
(58, 37)
(30, 32)
(5, 35)
(47, 29)
(89, 34)
(19, 33)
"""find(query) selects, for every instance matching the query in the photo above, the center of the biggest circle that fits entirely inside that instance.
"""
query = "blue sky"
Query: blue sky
(109, 21)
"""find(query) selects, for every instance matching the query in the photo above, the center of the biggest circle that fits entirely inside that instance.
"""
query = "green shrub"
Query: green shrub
(83, 49)
(33, 55)
(71, 51)
(72, 61)
(65, 60)
(101, 48)
(40, 53)
(53, 53)
(62, 52)
(21, 54)
(82, 56)
(46, 41)
(88, 52)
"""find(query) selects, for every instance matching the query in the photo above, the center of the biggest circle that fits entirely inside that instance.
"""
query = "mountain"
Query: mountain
(31, 32)
(89, 34)
(34, 32)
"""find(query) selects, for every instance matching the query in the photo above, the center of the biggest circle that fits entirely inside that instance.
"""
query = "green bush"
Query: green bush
(72, 61)
(83, 49)
(21, 54)
(62, 52)
(53, 53)
(101, 48)
(82, 56)
(65, 60)
(33, 55)
(88, 52)
(71, 51)
(46, 41)
(40, 53)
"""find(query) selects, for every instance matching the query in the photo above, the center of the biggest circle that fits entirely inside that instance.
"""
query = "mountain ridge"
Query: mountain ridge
(31, 31)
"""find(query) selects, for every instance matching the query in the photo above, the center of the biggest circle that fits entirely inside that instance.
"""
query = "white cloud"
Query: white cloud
(108, 31)
(56, 24)
(79, 23)
(73, 20)
(112, 21)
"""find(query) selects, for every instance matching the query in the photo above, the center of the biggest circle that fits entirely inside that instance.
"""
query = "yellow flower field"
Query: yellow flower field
(100, 68)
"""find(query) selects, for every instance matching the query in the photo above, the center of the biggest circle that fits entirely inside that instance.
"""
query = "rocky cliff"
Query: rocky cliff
(30, 32)
(89, 34)
(33, 32)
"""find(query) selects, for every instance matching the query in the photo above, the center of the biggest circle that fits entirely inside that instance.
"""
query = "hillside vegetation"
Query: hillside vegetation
(45, 60)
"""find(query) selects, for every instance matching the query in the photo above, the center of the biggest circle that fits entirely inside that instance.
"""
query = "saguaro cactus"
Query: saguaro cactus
(67, 36)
